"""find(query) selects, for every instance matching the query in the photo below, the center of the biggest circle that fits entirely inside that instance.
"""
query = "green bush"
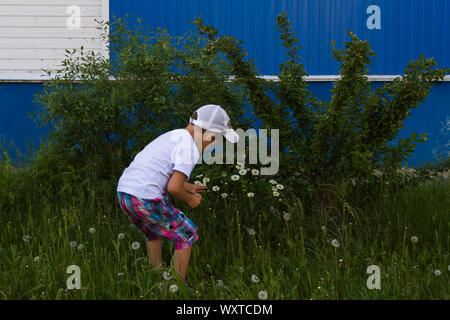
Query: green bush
(345, 138)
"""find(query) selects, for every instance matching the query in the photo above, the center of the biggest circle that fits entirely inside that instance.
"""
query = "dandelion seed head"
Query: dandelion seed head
(219, 283)
(120, 236)
(251, 232)
(262, 295)
(437, 273)
(255, 278)
(166, 275)
(72, 244)
(92, 230)
(287, 216)
(414, 239)
(135, 245)
(80, 246)
(120, 274)
(224, 174)
(335, 243)
(36, 259)
(324, 228)
(173, 288)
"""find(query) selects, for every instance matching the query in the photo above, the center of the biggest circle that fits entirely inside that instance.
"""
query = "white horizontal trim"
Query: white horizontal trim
(36, 77)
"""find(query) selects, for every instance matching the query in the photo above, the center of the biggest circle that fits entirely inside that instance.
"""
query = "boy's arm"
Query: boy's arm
(175, 187)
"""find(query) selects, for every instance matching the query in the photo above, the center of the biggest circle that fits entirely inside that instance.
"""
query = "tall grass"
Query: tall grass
(291, 254)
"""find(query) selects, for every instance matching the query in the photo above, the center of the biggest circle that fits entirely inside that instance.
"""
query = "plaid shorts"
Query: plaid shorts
(158, 218)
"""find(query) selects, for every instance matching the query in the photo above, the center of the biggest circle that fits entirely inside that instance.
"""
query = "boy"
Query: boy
(162, 168)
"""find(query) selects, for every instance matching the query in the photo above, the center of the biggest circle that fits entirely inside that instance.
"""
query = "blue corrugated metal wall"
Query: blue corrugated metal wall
(408, 28)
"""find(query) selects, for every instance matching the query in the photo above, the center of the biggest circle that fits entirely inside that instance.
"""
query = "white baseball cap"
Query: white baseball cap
(213, 118)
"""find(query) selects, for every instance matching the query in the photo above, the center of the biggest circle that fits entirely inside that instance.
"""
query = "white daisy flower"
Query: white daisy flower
(239, 166)
(72, 244)
(205, 180)
(280, 187)
(335, 243)
(173, 288)
(287, 216)
(255, 172)
(262, 295)
(36, 259)
(215, 188)
(251, 232)
(199, 176)
(255, 278)
(92, 230)
(273, 181)
(242, 172)
(276, 194)
(437, 273)
(235, 177)
(224, 195)
(414, 239)
(135, 245)
(250, 194)
(197, 182)
(120, 236)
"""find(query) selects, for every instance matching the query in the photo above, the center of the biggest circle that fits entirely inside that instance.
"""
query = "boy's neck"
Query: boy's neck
(191, 129)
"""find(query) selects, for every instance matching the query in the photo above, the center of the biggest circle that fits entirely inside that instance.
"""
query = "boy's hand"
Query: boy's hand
(195, 201)
(194, 188)
(177, 188)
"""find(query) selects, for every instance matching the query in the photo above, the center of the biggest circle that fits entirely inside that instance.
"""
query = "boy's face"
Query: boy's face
(203, 139)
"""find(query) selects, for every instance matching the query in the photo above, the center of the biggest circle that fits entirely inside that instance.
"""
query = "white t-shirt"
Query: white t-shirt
(148, 174)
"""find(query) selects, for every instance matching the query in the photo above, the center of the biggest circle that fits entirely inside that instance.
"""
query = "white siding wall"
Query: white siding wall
(34, 34)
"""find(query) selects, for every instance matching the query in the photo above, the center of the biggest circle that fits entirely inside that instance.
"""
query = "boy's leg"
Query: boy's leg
(181, 261)
(154, 253)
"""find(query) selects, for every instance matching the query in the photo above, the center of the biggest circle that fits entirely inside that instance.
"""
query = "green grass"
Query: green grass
(294, 258)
